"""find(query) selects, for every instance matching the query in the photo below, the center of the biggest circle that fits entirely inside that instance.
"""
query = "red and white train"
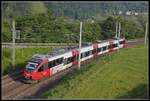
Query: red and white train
(47, 65)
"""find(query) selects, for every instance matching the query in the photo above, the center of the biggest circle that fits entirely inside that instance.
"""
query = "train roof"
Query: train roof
(66, 49)
(102, 41)
(36, 59)
(39, 57)
(58, 51)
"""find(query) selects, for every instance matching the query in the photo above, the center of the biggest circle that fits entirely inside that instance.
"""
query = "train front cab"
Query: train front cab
(37, 73)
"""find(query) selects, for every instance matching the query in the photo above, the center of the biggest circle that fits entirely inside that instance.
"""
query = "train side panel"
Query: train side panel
(86, 49)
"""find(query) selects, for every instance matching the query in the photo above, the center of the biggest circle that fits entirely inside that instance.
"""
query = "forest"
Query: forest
(59, 22)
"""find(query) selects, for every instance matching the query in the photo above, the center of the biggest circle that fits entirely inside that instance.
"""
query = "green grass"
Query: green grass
(22, 55)
(123, 75)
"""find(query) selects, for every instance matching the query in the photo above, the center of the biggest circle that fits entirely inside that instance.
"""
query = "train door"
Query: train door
(57, 65)
(74, 59)
(42, 71)
(110, 46)
(94, 51)
(67, 62)
(124, 43)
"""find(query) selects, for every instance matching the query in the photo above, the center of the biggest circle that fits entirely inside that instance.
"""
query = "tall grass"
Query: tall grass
(123, 75)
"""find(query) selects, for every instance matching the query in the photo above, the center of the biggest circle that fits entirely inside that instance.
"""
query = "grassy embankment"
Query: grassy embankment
(123, 75)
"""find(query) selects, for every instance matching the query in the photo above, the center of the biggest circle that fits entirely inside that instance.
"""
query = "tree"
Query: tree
(108, 27)
(6, 30)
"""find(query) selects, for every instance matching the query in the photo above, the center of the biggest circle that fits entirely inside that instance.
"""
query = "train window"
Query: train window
(122, 42)
(88, 53)
(65, 61)
(57, 62)
(77, 58)
(50, 64)
(68, 60)
(81, 55)
(104, 48)
(115, 45)
(54, 63)
(109, 46)
(93, 51)
(60, 60)
(45, 66)
(73, 58)
(99, 49)
(85, 54)
(40, 69)
(31, 66)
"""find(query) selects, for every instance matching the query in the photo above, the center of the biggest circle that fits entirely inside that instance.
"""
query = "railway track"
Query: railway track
(51, 82)
(14, 88)
(6, 79)
(24, 90)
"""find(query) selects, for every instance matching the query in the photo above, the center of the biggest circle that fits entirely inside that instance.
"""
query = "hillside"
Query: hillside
(72, 9)
(123, 75)
(58, 22)
(89, 9)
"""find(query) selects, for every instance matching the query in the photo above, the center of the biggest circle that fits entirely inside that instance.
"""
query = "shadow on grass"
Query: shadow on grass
(139, 92)
(58, 79)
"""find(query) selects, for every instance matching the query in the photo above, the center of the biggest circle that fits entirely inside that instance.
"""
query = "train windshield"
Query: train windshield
(31, 66)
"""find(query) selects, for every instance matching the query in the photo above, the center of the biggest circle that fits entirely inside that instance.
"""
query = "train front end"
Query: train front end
(30, 70)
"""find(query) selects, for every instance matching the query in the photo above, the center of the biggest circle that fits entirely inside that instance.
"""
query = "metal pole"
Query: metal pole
(146, 33)
(13, 52)
(119, 30)
(80, 45)
(119, 35)
(116, 30)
